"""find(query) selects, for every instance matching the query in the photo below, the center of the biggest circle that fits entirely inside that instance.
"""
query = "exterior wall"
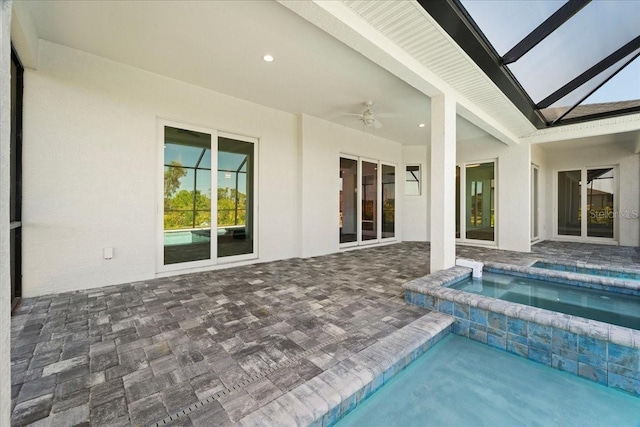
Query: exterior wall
(415, 211)
(5, 288)
(90, 171)
(628, 177)
(513, 171)
(91, 174)
(320, 145)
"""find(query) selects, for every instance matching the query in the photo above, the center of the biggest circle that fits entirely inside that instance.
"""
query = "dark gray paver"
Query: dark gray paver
(118, 351)
(32, 410)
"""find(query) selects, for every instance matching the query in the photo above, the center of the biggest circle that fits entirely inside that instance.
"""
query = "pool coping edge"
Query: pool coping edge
(331, 395)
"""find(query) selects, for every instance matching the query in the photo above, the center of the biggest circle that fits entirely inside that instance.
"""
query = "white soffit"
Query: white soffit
(624, 139)
(608, 126)
(401, 37)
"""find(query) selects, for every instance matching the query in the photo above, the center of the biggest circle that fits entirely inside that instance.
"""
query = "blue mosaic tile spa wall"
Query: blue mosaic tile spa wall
(594, 350)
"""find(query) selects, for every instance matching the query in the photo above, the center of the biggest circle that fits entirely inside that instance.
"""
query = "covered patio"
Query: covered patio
(216, 346)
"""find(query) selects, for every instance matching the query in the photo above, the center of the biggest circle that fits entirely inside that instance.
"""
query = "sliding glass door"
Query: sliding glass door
(570, 203)
(15, 182)
(348, 200)
(367, 197)
(600, 200)
(475, 201)
(235, 197)
(586, 211)
(187, 195)
(197, 228)
(369, 221)
(388, 201)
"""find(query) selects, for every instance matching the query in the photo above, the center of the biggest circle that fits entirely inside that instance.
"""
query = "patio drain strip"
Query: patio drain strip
(253, 378)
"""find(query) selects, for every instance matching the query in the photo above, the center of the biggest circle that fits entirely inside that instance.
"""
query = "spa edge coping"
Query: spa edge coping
(586, 265)
(435, 285)
(329, 396)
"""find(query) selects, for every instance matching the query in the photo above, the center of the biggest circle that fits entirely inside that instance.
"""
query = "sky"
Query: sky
(596, 31)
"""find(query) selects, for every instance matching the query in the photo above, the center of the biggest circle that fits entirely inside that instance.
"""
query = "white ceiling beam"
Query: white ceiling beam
(339, 21)
(24, 35)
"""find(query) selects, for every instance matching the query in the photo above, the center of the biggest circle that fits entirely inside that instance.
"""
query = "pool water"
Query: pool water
(460, 382)
(605, 306)
(189, 237)
(625, 275)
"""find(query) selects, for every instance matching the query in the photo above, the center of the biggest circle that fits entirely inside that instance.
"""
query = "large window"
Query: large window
(367, 201)
(475, 201)
(586, 211)
(15, 181)
(190, 210)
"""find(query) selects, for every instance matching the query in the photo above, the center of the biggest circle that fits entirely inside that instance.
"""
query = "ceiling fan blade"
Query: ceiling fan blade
(377, 124)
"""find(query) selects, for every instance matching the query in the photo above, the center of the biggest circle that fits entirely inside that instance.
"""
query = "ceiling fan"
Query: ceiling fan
(368, 117)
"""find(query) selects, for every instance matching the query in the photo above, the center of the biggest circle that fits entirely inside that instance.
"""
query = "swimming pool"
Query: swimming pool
(605, 306)
(186, 237)
(602, 352)
(461, 382)
(591, 270)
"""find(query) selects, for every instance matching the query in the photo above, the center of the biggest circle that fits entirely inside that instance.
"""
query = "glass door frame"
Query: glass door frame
(463, 204)
(213, 260)
(584, 237)
(358, 201)
(380, 202)
(379, 238)
(535, 202)
(15, 223)
(254, 196)
(378, 221)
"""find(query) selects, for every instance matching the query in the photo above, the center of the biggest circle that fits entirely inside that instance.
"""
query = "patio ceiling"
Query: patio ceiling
(329, 58)
(219, 45)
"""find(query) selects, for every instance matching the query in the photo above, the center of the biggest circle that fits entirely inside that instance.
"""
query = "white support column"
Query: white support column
(442, 202)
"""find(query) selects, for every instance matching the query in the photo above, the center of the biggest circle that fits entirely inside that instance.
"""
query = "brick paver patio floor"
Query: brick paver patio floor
(132, 354)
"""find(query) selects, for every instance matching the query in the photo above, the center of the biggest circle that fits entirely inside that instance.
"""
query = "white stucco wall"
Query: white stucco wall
(90, 170)
(320, 145)
(5, 288)
(91, 174)
(513, 170)
(619, 154)
(415, 212)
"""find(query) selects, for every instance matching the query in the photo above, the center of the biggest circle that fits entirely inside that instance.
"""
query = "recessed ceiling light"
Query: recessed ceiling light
(421, 125)
(268, 58)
